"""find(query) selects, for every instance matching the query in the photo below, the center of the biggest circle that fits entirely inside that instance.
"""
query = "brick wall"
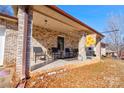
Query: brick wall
(48, 38)
(10, 47)
(10, 41)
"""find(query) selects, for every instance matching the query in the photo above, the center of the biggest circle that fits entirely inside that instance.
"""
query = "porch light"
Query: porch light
(45, 21)
(45, 24)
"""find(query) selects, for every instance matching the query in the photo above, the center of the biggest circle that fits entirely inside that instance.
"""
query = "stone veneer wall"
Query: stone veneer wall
(47, 38)
(10, 51)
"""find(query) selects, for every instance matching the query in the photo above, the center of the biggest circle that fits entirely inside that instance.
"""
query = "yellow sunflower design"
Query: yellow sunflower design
(90, 40)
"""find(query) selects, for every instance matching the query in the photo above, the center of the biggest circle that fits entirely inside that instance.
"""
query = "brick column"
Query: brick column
(81, 48)
(24, 41)
(98, 48)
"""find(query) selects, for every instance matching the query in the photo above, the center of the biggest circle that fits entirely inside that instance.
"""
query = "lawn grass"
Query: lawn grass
(109, 73)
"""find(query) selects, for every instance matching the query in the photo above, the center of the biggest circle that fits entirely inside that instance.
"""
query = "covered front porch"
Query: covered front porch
(47, 34)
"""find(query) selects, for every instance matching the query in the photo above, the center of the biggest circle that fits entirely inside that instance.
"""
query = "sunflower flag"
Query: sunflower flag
(90, 40)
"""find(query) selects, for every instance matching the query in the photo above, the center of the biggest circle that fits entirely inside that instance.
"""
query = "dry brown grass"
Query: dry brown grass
(109, 73)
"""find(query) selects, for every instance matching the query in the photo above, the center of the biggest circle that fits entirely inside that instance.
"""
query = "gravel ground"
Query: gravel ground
(106, 74)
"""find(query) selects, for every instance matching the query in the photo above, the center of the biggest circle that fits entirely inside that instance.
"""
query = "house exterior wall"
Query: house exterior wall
(10, 51)
(103, 51)
(41, 38)
(48, 38)
(98, 48)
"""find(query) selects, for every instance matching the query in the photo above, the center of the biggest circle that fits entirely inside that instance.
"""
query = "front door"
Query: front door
(61, 43)
(2, 42)
(61, 46)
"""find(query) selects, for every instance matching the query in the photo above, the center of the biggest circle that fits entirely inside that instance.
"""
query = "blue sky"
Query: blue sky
(95, 16)
(7, 9)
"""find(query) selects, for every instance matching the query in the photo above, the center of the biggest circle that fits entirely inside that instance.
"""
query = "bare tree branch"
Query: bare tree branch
(116, 37)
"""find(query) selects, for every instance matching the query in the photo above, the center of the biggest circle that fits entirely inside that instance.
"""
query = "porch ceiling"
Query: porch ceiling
(39, 20)
(56, 21)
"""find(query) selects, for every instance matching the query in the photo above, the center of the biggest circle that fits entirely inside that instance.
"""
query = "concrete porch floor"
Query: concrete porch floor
(45, 65)
(58, 63)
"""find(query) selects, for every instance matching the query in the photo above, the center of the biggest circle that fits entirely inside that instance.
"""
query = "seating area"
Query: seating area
(67, 53)
(55, 52)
